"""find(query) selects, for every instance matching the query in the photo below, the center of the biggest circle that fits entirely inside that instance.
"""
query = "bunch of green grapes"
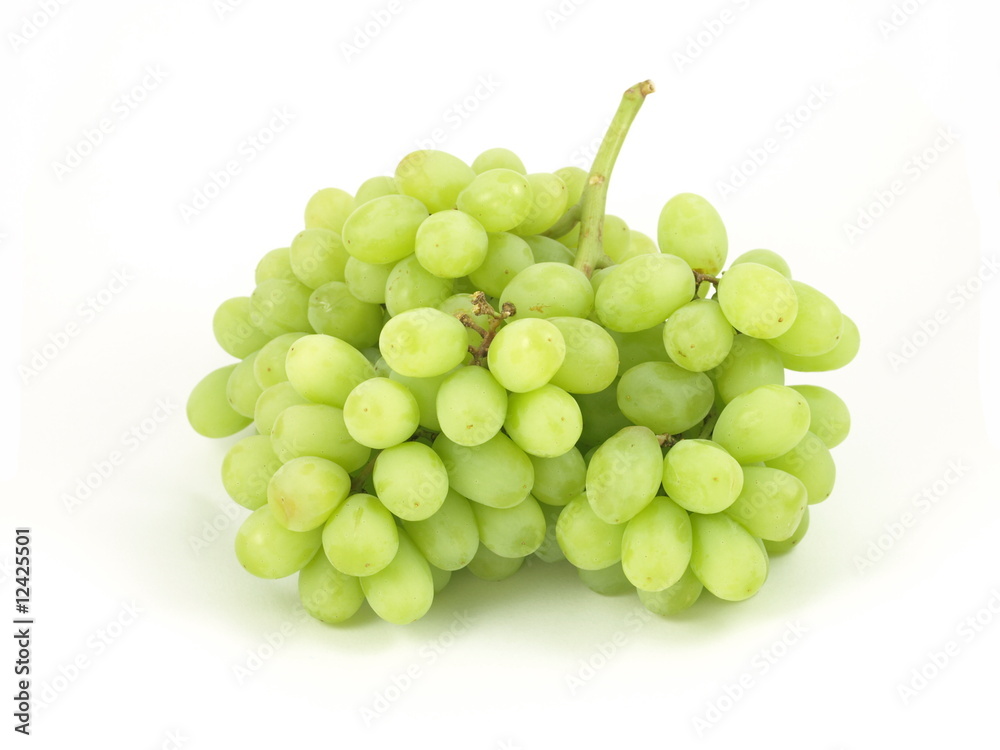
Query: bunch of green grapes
(460, 366)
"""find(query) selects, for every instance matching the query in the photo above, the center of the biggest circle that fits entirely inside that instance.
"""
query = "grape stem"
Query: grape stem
(700, 277)
(595, 193)
(667, 440)
(359, 479)
(566, 222)
(481, 306)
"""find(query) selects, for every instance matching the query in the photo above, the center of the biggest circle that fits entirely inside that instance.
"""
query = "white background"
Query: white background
(495, 665)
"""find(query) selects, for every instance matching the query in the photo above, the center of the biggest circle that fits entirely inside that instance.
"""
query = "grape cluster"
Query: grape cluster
(462, 366)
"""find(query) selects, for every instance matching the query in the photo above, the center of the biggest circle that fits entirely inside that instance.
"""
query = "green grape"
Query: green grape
(829, 417)
(587, 541)
(762, 423)
(425, 391)
(304, 492)
(640, 244)
(376, 187)
(767, 258)
(267, 549)
(404, 589)
(749, 364)
(242, 390)
(246, 470)
(785, 545)
(692, 229)
(548, 551)
(624, 474)
(316, 430)
(817, 325)
(367, 281)
(841, 354)
(601, 416)
(506, 256)
(656, 546)
(326, 593)
(609, 581)
(233, 330)
(462, 303)
(548, 203)
(411, 286)
(673, 599)
(664, 397)
(441, 578)
(471, 406)
(544, 422)
(318, 256)
(384, 230)
(423, 342)
(730, 562)
(448, 538)
(639, 346)
(333, 310)
(701, 477)
(274, 400)
(771, 503)
(643, 292)
(489, 566)
(525, 354)
(451, 244)
(434, 177)
(575, 180)
(511, 532)
(208, 408)
(757, 300)
(325, 369)
(278, 306)
(499, 199)
(498, 158)
(591, 361)
(558, 479)
(616, 238)
(275, 264)
(381, 413)
(810, 462)
(549, 290)
(548, 250)
(329, 209)
(697, 336)
(496, 473)
(410, 480)
(269, 365)
(360, 538)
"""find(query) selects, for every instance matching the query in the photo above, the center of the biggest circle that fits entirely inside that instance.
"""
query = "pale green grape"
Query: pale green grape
(639, 244)
(267, 549)
(548, 551)
(328, 209)
(448, 538)
(333, 310)
(316, 430)
(404, 589)
(829, 417)
(601, 416)
(809, 461)
(305, 491)
(381, 413)
(496, 473)
(591, 361)
(762, 423)
(525, 354)
(639, 346)
(423, 342)
(757, 300)
(275, 264)
(697, 336)
(242, 389)
(771, 503)
(643, 292)
(656, 546)
(548, 203)
(489, 566)
(560, 478)
(730, 562)
(279, 306)
(441, 578)
(544, 422)
(841, 354)
(609, 581)
(588, 542)
(499, 199)
(511, 532)
(434, 177)
(786, 545)
(817, 327)
(692, 229)
(750, 363)
(624, 474)
(410, 286)
(325, 369)
(208, 408)
(701, 477)
(326, 593)
(274, 400)
(549, 290)
(269, 365)
(462, 303)
(548, 250)
(425, 391)
(575, 180)
(664, 397)
(673, 599)
(498, 158)
(506, 256)
(471, 406)
(410, 480)
(367, 281)
(246, 470)
(451, 244)
(384, 230)
(317, 257)
(360, 538)
(767, 258)
(233, 330)
(376, 187)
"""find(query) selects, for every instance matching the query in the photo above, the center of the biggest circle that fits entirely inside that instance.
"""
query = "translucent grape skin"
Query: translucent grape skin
(757, 300)
(525, 354)
(247, 469)
(549, 290)
(360, 538)
(697, 336)
(730, 562)
(624, 474)
(767, 258)
(433, 177)
(750, 363)
(763, 423)
(242, 389)
(656, 546)
(489, 566)
(317, 256)
(544, 422)
(818, 324)
(506, 256)
(496, 473)
(771, 503)
(327, 594)
(208, 409)
(411, 480)
(841, 354)
(674, 599)
(511, 532)
(643, 292)
(471, 406)
(664, 397)
(423, 342)
(233, 330)
(587, 541)
(271, 403)
(304, 492)
(328, 209)
(449, 537)
(316, 430)
(700, 476)
(548, 203)
(499, 199)
(269, 366)
(559, 479)
(325, 369)
(402, 591)
(450, 244)
(267, 549)
(809, 461)
(381, 413)
(691, 228)
(786, 545)
(591, 361)
(334, 311)
(384, 230)
(830, 419)
(498, 158)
